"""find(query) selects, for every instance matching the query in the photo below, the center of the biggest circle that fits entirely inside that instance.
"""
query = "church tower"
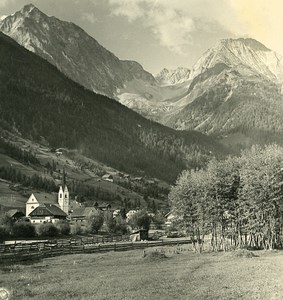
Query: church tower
(66, 200)
(63, 199)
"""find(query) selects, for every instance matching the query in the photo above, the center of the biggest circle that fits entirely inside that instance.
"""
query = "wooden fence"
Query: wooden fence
(38, 250)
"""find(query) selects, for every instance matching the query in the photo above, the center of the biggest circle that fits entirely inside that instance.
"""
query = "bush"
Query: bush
(4, 233)
(140, 220)
(76, 229)
(6, 220)
(63, 227)
(94, 222)
(120, 225)
(48, 229)
(25, 230)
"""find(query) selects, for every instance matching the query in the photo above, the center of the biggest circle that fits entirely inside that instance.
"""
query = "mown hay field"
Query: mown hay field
(178, 274)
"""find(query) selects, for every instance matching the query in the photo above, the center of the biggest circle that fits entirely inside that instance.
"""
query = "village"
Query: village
(44, 208)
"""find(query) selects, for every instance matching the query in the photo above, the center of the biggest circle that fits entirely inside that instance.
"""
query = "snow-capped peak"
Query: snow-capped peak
(242, 51)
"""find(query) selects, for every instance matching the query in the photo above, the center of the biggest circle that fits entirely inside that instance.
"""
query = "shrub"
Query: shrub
(48, 229)
(63, 227)
(94, 222)
(25, 229)
(6, 220)
(4, 232)
(120, 226)
(76, 229)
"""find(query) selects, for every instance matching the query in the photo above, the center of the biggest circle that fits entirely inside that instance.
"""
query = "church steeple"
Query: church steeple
(64, 199)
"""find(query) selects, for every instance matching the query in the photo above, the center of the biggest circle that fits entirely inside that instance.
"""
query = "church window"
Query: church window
(60, 195)
(32, 207)
(66, 196)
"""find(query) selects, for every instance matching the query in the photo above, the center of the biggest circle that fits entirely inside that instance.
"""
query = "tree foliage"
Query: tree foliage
(95, 221)
(23, 230)
(238, 202)
(140, 220)
(48, 230)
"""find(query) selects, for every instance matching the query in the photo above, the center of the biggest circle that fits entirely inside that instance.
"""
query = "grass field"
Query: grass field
(128, 275)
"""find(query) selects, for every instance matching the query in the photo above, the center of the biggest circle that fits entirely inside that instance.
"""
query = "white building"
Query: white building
(45, 207)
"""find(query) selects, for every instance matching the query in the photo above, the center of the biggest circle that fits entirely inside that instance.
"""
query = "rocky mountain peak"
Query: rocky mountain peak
(71, 50)
(244, 42)
(175, 76)
(243, 51)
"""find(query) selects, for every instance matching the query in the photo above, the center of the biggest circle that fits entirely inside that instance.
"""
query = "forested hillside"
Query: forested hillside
(40, 103)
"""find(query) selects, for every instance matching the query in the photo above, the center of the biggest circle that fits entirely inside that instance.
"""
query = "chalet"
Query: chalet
(108, 177)
(129, 214)
(15, 214)
(116, 213)
(80, 214)
(104, 206)
(47, 213)
(170, 218)
(137, 179)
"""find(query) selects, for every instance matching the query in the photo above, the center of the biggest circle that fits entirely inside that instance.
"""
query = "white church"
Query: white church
(43, 207)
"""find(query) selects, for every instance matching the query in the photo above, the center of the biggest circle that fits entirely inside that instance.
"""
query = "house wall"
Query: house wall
(38, 220)
(31, 204)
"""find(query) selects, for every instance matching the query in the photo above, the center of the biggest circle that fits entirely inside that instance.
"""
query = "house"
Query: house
(108, 177)
(80, 214)
(47, 212)
(170, 218)
(137, 179)
(15, 214)
(104, 206)
(61, 201)
(139, 235)
(129, 214)
(116, 213)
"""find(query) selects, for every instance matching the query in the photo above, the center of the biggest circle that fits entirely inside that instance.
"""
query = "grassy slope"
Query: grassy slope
(10, 198)
(129, 276)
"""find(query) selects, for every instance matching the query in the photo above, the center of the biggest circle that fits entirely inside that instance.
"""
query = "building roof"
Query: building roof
(14, 212)
(83, 212)
(46, 198)
(104, 205)
(47, 209)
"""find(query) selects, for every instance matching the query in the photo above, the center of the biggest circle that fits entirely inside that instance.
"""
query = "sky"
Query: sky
(165, 33)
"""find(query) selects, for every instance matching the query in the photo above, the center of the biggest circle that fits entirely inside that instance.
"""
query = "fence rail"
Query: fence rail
(39, 250)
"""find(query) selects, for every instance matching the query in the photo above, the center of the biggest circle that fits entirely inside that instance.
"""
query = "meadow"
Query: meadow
(177, 273)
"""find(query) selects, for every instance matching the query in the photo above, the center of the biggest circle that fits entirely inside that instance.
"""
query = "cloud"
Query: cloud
(176, 23)
(168, 24)
(90, 17)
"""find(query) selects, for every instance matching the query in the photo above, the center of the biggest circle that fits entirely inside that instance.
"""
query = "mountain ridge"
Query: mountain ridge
(70, 49)
(234, 77)
(39, 102)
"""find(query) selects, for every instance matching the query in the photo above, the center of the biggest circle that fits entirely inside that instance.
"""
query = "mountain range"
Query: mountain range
(40, 103)
(233, 92)
(234, 88)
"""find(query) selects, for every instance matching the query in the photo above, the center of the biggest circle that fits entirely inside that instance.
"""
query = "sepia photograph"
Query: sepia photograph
(141, 149)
